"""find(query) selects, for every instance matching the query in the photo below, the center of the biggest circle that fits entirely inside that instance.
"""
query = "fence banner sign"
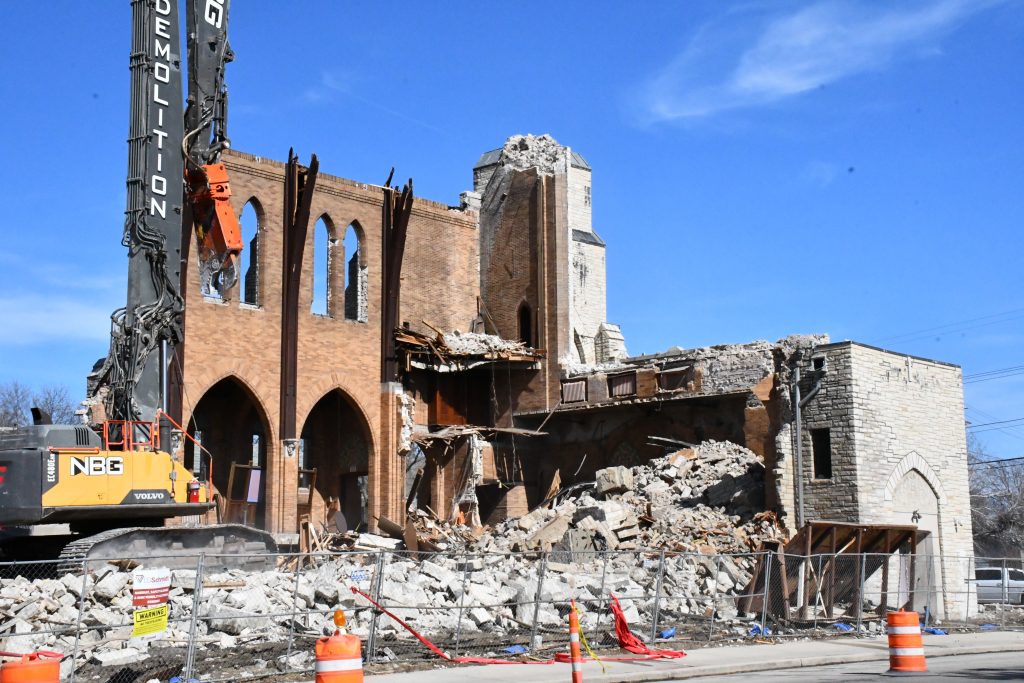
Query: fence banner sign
(150, 591)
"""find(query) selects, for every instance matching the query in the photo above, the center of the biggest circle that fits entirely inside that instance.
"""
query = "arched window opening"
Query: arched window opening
(356, 298)
(525, 324)
(323, 245)
(250, 258)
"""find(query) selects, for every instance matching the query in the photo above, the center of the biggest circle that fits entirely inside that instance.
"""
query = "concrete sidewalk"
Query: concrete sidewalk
(719, 661)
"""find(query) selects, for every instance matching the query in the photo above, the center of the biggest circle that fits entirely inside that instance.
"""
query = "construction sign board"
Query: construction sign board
(150, 590)
(149, 624)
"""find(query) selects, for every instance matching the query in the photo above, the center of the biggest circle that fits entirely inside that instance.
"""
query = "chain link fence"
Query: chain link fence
(231, 624)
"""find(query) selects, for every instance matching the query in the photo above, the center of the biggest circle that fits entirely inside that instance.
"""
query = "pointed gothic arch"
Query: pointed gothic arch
(912, 461)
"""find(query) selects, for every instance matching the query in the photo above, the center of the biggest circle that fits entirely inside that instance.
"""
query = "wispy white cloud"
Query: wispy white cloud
(32, 319)
(331, 83)
(57, 272)
(750, 58)
(335, 83)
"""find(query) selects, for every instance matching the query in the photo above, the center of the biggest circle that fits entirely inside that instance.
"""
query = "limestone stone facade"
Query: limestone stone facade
(898, 453)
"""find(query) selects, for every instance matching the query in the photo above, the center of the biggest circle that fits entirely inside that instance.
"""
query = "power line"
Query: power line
(1001, 462)
(959, 326)
(998, 422)
(974, 375)
(1002, 430)
(996, 429)
(994, 374)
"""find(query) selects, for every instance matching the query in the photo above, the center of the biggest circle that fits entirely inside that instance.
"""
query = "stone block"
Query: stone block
(122, 657)
(614, 480)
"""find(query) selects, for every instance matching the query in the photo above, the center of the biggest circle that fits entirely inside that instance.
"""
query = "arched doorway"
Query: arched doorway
(336, 443)
(232, 426)
(915, 502)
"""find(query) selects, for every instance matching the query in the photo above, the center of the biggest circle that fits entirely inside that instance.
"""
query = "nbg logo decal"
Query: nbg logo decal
(97, 465)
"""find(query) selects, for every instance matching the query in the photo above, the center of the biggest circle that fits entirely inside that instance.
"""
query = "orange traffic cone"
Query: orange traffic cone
(339, 659)
(31, 668)
(574, 644)
(906, 651)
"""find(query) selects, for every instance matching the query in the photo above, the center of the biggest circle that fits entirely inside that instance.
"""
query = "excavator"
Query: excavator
(114, 483)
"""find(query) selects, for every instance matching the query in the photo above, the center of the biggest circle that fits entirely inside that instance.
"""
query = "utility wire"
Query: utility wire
(974, 375)
(959, 326)
(1002, 430)
(999, 422)
(994, 374)
(1001, 462)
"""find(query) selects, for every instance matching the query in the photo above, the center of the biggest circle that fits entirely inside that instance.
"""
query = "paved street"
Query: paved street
(999, 666)
(994, 656)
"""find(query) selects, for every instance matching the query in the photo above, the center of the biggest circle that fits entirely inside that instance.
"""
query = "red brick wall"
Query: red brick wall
(230, 339)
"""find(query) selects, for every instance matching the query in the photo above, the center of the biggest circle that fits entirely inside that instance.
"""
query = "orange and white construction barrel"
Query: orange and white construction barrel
(906, 649)
(574, 645)
(38, 667)
(339, 659)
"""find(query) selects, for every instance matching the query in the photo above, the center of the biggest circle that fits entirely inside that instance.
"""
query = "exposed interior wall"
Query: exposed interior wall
(509, 229)
(580, 443)
(587, 305)
(836, 498)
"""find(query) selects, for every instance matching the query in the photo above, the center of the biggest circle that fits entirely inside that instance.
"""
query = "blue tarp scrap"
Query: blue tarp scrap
(934, 631)
(845, 628)
(516, 649)
(755, 630)
(667, 633)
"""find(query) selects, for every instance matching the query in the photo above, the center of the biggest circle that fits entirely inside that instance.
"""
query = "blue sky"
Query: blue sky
(760, 168)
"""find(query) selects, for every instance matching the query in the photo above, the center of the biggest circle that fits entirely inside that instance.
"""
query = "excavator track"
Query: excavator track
(223, 546)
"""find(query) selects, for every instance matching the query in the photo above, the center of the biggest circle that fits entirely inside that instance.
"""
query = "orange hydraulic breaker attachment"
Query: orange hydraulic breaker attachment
(217, 229)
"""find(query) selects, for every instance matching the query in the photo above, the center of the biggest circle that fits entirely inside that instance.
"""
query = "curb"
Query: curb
(793, 663)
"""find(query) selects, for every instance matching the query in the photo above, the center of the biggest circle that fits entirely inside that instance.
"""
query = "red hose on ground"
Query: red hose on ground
(621, 630)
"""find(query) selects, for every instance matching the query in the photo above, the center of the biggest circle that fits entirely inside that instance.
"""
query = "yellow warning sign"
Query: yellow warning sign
(149, 622)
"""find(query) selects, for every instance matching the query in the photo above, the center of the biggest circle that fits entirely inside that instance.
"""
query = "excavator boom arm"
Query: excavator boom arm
(172, 158)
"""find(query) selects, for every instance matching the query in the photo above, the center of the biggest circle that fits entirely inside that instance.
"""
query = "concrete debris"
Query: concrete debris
(453, 351)
(128, 655)
(697, 505)
(705, 499)
(572, 368)
(614, 480)
(475, 343)
(542, 152)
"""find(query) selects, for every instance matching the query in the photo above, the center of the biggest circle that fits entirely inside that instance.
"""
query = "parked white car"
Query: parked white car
(1000, 584)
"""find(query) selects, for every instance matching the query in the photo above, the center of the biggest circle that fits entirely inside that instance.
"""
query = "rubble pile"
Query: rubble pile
(693, 508)
(523, 152)
(705, 499)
